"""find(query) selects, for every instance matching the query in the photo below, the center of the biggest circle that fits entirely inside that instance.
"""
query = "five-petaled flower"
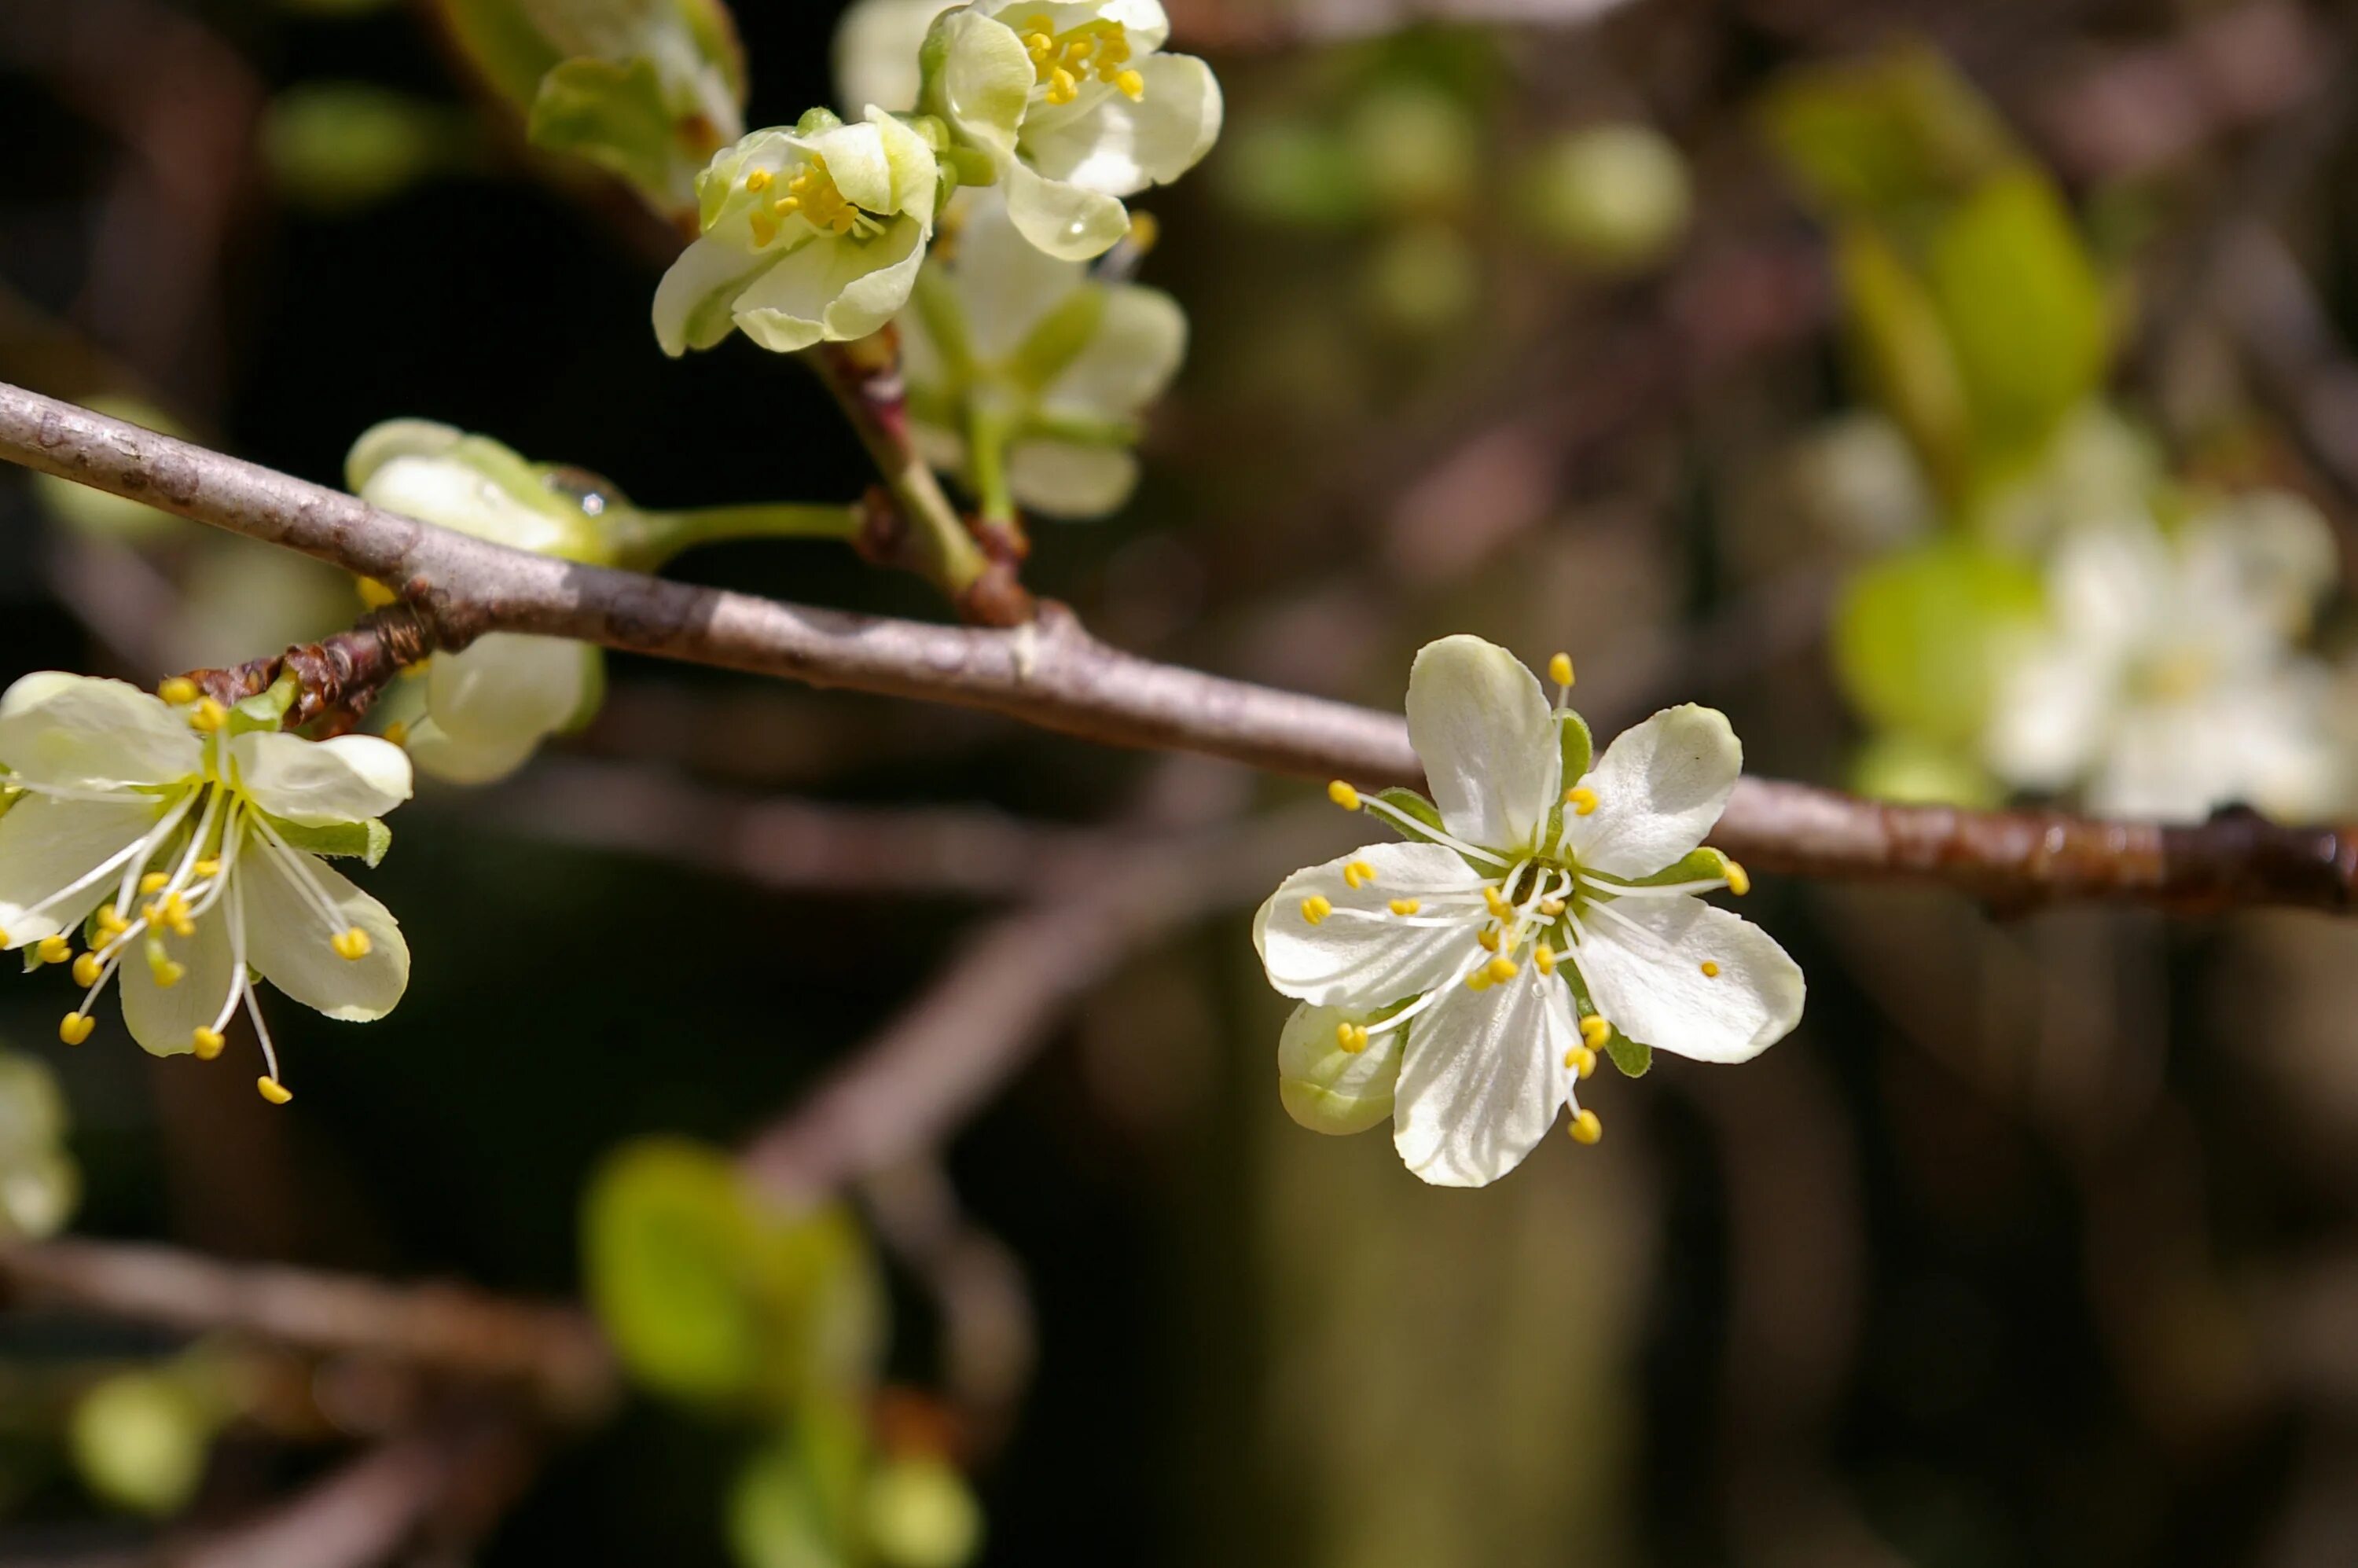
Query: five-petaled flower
(181, 840)
(1074, 106)
(1464, 982)
(1026, 375)
(813, 234)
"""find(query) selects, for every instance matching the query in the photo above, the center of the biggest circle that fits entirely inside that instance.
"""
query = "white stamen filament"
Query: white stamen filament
(1417, 829)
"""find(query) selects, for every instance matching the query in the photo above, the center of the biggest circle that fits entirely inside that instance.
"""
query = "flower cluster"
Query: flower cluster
(1028, 371)
(181, 842)
(1463, 984)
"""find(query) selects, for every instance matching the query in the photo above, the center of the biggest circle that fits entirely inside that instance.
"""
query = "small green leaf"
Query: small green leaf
(1696, 866)
(1886, 136)
(615, 116)
(1410, 804)
(1918, 637)
(778, 1515)
(1579, 747)
(1628, 1054)
(364, 841)
(1902, 353)
(2025, 314)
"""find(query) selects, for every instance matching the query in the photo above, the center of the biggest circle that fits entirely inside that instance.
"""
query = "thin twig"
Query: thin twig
(1053, 674)
(552, 1352)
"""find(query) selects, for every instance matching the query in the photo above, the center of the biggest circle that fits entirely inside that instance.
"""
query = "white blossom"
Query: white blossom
(1527, 926)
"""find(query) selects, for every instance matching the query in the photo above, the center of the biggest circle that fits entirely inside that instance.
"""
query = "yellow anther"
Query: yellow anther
(87, 969)
(1079, 49)
(1595, 1032)
(1551, 907)
(758, 182)
(1586, 1128)
(209, 716)
(1544, 957)
(1559, 669)
(1488, 937)
(1351, 1037)
(177, 916)
(1739, 880)
(1343, 795)
(169, 973)
(1358, 873)
(207, 1043)
(75, 1027)
(397, 733)
(154, 882)
(1581, 1060)
(1496, 901)
(3, 940)
(765, 226)
(278, 1093)
(786, 206)
(1479, 980)
(1132, 85)
(1710, 970)
(1145, 230)
(207, 868)
(179, 689)
(1062, 88)
(110, 919)
(54, 949)
(1582, 800)
(1404, 906)
(1317, 907)
(374, 594)
(350, 943)
(1500, 968)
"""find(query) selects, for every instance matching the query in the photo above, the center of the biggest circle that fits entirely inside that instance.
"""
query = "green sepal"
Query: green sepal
(1632, 1058)
(971, 166)
(1579, 746)
(265, 709)
(1695, 866)
(815, 120)
(796, 1503)
(366, 842)
(1410, 804)
(612, 115)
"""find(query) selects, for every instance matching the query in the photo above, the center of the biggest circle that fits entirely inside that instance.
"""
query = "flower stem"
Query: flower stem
(986, 440)
(864, 377)
(655, 537)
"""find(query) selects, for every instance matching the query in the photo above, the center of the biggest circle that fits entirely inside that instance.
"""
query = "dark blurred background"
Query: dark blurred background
(2035, 1245)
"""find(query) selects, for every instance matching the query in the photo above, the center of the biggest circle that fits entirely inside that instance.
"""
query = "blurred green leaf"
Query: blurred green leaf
(1296, 172)
(1903, 354)
(1885, 137)
(140, 1441)
(2025, 314)
(710, 1298)
(1919, 636)
(921, 1514)
(1908, 768)
(614, 115)
(1613, 198)
(336, 146)
(796, 1503)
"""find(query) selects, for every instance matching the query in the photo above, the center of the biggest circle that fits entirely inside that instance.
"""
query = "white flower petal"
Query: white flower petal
(81, 733)
(876, 45)
(1642, 961)
(693, 301)
(48, 845)
(832, 289)
(507, 685)
(2051, 713)
(165, 1019)
(1005, 282)
(1482, 1078)
(982, 78)
(1349, 960)
(1062, 219)
(1060, 479)
(451, 493)
(287, 936)
(469, 761)
(1487, 738)
(1130, 360)
(1328, 1088)
(321, 783)
(1659, 787)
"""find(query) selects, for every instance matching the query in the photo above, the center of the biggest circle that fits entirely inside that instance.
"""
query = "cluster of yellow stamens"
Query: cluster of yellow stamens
(811, 194)
(1062, 61)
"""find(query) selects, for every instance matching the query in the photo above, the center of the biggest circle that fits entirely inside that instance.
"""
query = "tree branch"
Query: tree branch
(1054, 674)
(552, 1352)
